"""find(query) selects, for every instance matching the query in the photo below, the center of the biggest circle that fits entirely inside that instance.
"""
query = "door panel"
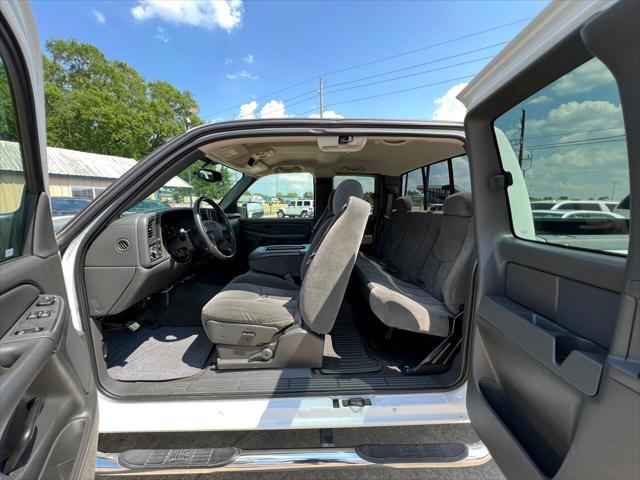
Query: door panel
(48, 417)
(43, 395)
(554, 388)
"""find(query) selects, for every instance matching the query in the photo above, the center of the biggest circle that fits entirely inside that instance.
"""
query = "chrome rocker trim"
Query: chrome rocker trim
(108, 464)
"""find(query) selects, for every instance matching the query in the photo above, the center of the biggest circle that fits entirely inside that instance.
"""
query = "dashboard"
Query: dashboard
(139, 254)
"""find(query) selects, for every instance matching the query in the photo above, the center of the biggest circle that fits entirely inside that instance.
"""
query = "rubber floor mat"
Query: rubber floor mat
(345, 352)
(156, 354)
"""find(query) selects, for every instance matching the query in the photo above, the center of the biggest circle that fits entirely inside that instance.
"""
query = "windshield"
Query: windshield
(179, 192)
(183, 190)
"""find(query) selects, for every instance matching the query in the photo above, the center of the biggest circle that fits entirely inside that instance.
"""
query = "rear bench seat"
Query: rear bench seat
(421, 273)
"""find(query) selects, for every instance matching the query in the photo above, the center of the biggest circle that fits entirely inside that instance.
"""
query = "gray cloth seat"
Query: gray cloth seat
(264, 321)
(422, 277)
(256, 299)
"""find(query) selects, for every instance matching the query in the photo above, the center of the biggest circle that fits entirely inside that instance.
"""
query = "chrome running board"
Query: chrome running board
(181, 462)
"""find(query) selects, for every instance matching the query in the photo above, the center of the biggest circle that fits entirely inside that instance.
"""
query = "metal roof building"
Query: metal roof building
(71, 173)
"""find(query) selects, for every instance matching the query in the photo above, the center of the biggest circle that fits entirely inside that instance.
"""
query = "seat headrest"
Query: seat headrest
(403, 204)
(458, 205)
(346, 188)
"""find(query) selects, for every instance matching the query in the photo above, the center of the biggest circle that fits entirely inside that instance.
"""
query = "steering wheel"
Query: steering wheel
(215, 229)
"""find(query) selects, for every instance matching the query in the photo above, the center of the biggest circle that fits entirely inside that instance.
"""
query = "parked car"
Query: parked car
(590, 205)
(297, 208)
(68, 205)
(144, 324)
(575, 214)
(543, 204)
(624, 207)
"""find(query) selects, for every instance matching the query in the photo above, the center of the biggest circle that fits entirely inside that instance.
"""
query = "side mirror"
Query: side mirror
(209, 175)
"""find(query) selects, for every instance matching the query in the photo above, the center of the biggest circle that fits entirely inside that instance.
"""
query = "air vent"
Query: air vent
(151, 229)
(123, 245)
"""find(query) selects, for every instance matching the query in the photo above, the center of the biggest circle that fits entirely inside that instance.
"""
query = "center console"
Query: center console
(281, 260)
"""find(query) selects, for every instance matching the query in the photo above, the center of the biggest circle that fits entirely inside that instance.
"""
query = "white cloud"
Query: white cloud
(450, 108)
(162, 35)
(327, 114)
(273, 109)
(228, 61)
(242, 74)
(580, 117)
(99, 16)
(539, 99)
(583, 79)
(209, 14)
(249, 59)
(248, 110)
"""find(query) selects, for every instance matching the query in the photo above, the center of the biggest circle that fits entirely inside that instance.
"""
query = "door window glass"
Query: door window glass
(12, 176)
(281, 195)
(574, 156)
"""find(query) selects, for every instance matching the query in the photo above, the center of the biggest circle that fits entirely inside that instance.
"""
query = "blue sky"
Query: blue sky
(232, 54)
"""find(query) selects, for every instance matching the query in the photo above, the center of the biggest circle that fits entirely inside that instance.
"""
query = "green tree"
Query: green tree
(98, 105)
(8, 129)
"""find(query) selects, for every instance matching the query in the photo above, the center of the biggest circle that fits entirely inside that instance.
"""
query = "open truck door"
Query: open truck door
(554, 387)
(48, 411)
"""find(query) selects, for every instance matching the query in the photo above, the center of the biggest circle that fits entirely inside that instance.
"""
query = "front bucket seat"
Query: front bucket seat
(264, 321)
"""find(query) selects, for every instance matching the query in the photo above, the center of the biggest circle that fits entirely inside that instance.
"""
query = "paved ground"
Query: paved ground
(310, 438)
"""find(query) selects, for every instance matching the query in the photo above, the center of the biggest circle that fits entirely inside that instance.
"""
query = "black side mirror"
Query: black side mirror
(209, 175)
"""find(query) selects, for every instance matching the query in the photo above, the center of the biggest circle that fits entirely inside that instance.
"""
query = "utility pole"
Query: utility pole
(321, 94)
(521, 149)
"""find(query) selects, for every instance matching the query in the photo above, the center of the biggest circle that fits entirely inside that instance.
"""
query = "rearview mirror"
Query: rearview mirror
(209, 175)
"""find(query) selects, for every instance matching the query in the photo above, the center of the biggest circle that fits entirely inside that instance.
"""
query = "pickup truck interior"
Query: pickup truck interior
(368, 295)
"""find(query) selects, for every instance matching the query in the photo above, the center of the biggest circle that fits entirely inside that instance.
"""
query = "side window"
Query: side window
(413, 187)
(461, 176)
(439, 185)
(368, 186)
(12, 175)
(281, 195)
(573, 156)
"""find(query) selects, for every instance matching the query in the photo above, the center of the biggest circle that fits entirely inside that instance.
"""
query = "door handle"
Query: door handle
(34, 407)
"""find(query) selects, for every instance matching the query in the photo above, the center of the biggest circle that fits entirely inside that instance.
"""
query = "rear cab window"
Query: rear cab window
(442, 178)
(572, 164)
(368, 183)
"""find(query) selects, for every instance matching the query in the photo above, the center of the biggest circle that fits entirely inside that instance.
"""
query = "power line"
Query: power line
(411, 74)
(573, 133)
(379, 60)
(418, 65)
(401, 91)
(433, 45)
(585, 141)
(314, 92)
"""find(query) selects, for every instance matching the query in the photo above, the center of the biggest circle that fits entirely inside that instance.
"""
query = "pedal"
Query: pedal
(132, 325)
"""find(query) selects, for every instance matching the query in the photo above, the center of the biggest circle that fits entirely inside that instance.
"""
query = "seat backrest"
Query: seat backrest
(394, 227)
(337, 200)
(324, 218)
(417, 237)
(328, 268)
(446, 274)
